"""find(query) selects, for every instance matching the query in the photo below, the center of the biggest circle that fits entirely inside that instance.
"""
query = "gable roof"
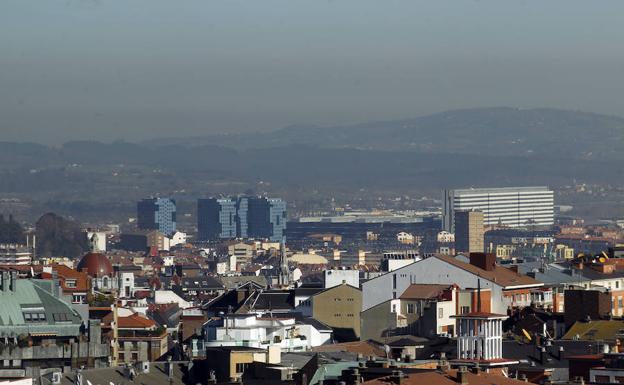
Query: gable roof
(424, 291)
(135, 321)
(501, 276)
(608, 330)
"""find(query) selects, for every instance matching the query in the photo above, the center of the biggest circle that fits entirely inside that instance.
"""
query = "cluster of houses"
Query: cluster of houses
(275, 317)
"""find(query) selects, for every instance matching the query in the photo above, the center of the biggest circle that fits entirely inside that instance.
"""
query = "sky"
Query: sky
(141, 69)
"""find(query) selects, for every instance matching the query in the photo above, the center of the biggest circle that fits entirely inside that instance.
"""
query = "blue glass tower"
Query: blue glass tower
(241, 217)
(157, 214)
(266, 218)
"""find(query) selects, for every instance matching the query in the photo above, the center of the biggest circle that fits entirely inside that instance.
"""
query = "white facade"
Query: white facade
(480, 338)
(126, 285)
(404, 237)
(445, 237)
(262, 332)
(178, 238)
(429, 270)
(168, 296)
(15, 255)
(509, 206)
(336, 277)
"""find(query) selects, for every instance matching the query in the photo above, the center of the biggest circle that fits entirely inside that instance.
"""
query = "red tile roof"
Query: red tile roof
(449, 378)
(500, 275)
(135, 321)
(424, 291)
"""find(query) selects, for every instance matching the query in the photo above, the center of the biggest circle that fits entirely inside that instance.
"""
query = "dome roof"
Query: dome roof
(97, 264)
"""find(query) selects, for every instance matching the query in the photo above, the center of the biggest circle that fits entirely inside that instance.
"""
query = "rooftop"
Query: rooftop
(424, 291)
(500, 275)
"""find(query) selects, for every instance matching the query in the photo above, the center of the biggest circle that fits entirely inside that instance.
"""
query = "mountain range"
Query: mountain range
(478, 147)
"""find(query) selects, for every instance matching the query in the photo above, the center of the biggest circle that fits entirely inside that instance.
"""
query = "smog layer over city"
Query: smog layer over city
(298, 192)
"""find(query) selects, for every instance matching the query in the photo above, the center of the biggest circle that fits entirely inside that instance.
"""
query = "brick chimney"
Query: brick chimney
(485, 261)
(397, 377)
(462, 375)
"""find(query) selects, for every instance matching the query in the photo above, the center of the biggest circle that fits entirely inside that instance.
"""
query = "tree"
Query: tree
(60, 237)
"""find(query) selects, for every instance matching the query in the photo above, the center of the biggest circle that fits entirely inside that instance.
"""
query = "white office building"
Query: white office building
(509, 206)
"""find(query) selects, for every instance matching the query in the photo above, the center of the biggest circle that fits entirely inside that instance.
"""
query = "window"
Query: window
(60, 317)
(34, 316)
(465, 309)
(394, 308)
(70, 283)
(240, 368)
(394, 281)
(441, 313)
(620, 303)
(410, 308)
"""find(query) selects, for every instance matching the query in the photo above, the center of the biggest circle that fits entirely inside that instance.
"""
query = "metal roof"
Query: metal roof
(60, 318)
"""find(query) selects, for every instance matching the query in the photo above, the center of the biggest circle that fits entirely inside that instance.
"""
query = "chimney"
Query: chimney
(462, 375)
(485, 261)
(5, 281)
(397, 377)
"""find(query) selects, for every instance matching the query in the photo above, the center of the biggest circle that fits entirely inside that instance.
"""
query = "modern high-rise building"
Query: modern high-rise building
(217, 219)
(508, 206)
(266, 218)
(157, 214)
(469, 231)
(241, 217)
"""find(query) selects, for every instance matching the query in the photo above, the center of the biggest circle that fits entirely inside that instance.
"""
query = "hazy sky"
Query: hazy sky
(133, 69)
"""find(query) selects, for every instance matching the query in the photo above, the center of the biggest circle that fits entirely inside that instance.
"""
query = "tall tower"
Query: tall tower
(469, 231)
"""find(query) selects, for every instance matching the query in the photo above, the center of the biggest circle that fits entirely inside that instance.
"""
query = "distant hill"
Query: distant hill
(305, 165)
(494, 131)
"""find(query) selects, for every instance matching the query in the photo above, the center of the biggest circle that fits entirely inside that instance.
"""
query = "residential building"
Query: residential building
(75, 284)
(339, 307)
(138, 338)
(509, 289)
(157, 214)
(397, 259)
(428, 309)
(507, 206)
(230, 362)
(335, 277)
(41, 332)
(469, 231)
(15, 255)
(424, 310)
(243, 251)
(262, 331)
